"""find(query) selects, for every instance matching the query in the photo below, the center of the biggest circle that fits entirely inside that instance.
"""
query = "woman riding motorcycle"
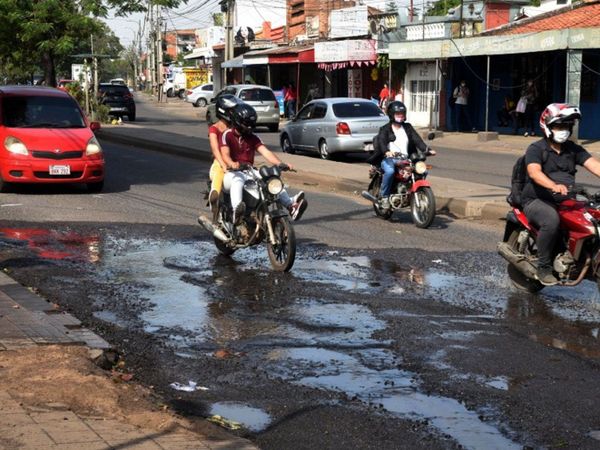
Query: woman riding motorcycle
(395, 141)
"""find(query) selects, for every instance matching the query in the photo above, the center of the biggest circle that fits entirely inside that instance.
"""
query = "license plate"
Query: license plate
(60, 170)
(260, 108)
(368, 147)
(117, 109)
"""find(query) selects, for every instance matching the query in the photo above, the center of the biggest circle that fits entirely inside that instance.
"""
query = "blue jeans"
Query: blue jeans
(388, 165)
(291, 106)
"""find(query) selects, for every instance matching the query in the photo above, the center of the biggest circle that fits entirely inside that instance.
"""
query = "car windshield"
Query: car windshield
(113, 89)
(41, 112)
(257, 95)
(356, 109)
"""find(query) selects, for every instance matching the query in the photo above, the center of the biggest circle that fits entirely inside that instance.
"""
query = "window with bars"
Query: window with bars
(423, 95)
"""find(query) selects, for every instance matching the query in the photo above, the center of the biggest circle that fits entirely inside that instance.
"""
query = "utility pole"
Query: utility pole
(159, 54)
(95, 63)
(228, 7)
(460, 30)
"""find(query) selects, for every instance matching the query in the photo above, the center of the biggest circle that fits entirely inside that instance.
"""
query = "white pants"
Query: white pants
(234, 184)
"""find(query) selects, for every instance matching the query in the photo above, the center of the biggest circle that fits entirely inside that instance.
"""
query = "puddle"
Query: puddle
(253, 419)
(395, 389)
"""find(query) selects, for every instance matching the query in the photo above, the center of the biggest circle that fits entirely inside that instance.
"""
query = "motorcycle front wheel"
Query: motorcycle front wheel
(374, 189)
(283, 253)
(517, 278)
(423, 211)
(223, 248)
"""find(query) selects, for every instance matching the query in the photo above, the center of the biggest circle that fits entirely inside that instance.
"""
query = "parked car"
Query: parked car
(200, 95)
(261, 98)
(45, 138)
(333, 125)
(118, 81)
(119, 98)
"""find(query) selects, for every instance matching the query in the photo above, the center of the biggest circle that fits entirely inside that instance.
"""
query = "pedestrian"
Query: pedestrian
(507, 112)
(313, 92)
(399, 97)
(284, 95)
(461, 95)
(530, 94)
(384, 96)
(292, 97)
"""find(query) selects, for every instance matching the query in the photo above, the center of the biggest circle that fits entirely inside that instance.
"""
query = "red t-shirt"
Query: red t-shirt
(241, 148)
(214, 130)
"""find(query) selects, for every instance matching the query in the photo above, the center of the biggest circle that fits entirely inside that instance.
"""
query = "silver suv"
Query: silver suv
(261, 98)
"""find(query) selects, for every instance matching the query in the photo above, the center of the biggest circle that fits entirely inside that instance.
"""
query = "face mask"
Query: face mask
(561, 136)
(399, 118)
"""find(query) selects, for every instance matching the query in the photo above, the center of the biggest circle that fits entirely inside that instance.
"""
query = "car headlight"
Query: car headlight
(274, 186)
(14, 145)
(420, 167)
(93, 147)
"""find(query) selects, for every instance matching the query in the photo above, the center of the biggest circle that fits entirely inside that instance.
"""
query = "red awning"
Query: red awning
(301, 56)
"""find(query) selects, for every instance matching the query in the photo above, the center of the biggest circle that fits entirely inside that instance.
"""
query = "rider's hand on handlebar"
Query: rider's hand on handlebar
(234, 165)
(560, 189)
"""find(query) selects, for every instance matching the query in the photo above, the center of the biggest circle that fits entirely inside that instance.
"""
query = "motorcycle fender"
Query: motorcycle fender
(275, 214)
(419, 184)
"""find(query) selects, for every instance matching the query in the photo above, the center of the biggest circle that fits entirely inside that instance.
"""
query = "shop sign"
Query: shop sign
(347, 22)
(343, 51)
(355, 82)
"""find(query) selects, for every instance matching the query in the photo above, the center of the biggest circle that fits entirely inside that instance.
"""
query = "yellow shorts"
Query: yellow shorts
(216, 175)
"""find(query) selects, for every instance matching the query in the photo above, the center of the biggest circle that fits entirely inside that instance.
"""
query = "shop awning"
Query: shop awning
(332, 55)
(281, 55)
(235, 63)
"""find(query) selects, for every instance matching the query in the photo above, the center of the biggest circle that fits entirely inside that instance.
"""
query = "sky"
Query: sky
(193, 14)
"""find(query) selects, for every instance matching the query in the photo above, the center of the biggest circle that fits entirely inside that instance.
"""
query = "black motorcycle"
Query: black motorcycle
(264, 219)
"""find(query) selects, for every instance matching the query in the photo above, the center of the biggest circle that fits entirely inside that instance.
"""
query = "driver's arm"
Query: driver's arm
(268, 155)
(227, 158)
(593, 165)
(534, 170)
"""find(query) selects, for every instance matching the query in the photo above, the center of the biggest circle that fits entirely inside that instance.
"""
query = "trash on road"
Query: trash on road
(190, 387)
(437, 261)
(229, 424)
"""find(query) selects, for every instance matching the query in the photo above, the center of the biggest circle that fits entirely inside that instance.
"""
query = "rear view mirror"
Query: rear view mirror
(95, 126)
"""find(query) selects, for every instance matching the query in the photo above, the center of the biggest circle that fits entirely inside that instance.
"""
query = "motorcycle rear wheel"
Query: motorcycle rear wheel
(374, 189)
(518, 279)
(423, 216)
(283, 254)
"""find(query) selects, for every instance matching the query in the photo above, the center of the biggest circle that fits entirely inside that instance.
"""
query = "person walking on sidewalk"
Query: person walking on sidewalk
(291, 97)
(461, 107)
(384, 97)
(530, 95)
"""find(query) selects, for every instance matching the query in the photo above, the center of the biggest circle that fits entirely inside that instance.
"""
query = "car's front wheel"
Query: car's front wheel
(286, 145)
(201, 102)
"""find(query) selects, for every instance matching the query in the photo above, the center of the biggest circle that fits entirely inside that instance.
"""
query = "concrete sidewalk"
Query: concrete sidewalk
(27, 322)
(459, 198)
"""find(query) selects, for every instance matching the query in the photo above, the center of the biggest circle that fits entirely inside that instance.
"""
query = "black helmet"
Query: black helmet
(224, 104)
(394, 108)
(243, 118)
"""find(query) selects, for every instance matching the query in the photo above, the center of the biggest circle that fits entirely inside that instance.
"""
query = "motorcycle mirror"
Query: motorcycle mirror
(431, 136)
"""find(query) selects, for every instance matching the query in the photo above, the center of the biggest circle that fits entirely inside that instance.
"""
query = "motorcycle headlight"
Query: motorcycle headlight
(93, 147)
(274, 186)
(420, 167)
(14, 145)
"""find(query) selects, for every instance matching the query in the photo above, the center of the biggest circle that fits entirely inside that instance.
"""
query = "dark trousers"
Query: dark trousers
(544, 216)
(461, 115)
(530, 118)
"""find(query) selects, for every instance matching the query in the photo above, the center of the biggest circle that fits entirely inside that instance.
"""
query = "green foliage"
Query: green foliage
(391, 6)
(441, 7)
(218, 19)
(383, 61)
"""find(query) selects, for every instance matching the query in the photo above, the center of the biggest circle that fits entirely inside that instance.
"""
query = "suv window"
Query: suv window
(113, 89)
(320, 111)
(257, 95)
(41, 112)
(357, 109)
(208, 87)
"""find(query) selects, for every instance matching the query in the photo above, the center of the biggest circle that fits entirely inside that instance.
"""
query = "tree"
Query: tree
(391, 7)
(441, 7)
(218, 19)
(39, 35)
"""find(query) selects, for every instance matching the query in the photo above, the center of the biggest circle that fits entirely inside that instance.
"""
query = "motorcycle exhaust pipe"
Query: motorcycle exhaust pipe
(517, 260)
(369, 197)
(210, 227)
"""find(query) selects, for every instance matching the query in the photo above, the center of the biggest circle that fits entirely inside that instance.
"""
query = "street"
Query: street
(382, 336)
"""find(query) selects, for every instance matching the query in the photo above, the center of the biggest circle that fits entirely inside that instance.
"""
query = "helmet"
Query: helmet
(394, 108)
(224, 104)
(558, 113)
(243, 118)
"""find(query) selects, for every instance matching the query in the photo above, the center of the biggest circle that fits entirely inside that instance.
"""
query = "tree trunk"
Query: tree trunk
(49, 69)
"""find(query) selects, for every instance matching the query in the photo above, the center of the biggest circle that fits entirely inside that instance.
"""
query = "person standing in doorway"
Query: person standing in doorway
(530, 94)
(384, 96)
(284, 90)
(461, 107)
(292, 97)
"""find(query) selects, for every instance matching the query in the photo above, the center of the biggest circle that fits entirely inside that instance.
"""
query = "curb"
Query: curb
(459, 207)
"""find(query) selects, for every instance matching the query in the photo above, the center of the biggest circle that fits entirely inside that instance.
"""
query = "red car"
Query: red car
(46, 138)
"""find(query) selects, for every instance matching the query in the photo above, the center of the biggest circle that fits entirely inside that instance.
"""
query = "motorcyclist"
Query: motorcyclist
(394, 142)
(551, 167)
(238, 146)
(223, 105)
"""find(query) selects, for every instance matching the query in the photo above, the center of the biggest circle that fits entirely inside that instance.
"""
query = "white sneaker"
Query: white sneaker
(297, 209)
(298, 197)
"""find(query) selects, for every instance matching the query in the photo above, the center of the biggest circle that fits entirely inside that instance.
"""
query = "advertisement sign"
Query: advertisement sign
(355, 83)
(348, 22)
(348, 50)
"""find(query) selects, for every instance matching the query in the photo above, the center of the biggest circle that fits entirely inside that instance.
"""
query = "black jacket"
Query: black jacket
(386, 135)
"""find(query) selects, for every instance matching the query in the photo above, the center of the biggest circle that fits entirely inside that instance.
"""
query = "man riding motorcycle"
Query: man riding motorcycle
(551, 167)
(238, 146)
(394, 141)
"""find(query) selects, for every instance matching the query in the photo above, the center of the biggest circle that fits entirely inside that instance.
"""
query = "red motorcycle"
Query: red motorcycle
(577, 249)
(410, 188)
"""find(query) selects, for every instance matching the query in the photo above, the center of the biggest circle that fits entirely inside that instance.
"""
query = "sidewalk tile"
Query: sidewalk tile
(17, 419)
(78, 446)
(27, 436)
(189, 445)
(53, 416)
(70, 432)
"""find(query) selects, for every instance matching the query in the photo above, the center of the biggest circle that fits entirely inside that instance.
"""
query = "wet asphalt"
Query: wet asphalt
(382, 336)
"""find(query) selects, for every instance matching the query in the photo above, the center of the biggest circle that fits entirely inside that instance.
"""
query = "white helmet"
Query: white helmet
(558, 113)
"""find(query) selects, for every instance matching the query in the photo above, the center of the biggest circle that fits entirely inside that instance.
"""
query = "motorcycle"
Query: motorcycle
(264, 219)
(410, 188)
(577, 249)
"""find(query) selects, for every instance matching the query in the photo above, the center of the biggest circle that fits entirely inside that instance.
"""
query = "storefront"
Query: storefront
(348, 68)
